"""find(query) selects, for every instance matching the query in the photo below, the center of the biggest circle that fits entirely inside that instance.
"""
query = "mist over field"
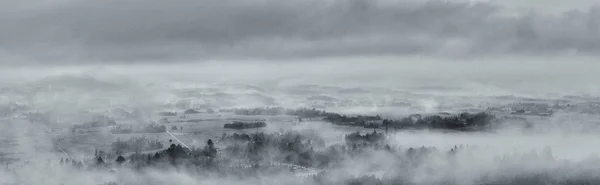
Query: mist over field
(299, 92)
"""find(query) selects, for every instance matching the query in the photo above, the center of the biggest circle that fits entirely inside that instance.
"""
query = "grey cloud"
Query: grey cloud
(161, 30)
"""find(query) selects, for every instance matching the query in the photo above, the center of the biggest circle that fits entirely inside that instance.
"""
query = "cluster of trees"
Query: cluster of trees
(100, 163)
(71, 162)
(306, 113)
(245, 125)
(290, 147)
(359, 120)
(174, 156)
(310, 151)
(101, 155)
(135, 144)
(257, 150)
(175, 128)
(463, 121)
(370, 138)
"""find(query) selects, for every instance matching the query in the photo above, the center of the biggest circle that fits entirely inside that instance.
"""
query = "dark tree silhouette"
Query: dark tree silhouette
(120, 160)
(100, 161)
(210, 149)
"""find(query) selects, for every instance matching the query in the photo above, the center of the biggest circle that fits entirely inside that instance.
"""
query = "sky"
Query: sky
(555, 6)
(129, 31)
(86, 31)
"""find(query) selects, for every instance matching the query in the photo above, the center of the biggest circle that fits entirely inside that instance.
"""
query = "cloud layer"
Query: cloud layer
(161, 30)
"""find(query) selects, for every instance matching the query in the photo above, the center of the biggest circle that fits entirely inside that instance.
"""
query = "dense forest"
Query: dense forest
(245, 125)
(246, 155)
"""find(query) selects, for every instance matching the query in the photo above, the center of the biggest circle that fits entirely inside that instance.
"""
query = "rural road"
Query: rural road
(177, 139)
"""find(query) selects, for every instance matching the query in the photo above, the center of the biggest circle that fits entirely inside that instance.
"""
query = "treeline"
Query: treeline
(463, 121)
(363, 121)
(174, 156)
(71, 162)
(154, 128)
(370, 138)
(245, 125)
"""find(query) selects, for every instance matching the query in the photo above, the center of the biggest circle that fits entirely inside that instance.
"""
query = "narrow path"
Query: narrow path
(61, 149)
(182, 144)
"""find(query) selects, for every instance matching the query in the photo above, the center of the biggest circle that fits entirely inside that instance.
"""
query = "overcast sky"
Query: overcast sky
(85, 31)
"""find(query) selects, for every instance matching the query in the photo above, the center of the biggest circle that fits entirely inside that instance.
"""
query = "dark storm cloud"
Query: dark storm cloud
(163, 30)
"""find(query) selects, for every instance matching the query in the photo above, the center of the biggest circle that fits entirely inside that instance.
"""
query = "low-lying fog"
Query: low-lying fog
(351, 86)
(383, 78)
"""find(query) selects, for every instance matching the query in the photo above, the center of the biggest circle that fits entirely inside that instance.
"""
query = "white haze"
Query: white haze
(427, 81)
(77, 58)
